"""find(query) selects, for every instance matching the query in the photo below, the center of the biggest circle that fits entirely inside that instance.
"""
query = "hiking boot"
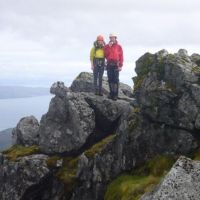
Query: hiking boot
(110, 96)
(114, 98)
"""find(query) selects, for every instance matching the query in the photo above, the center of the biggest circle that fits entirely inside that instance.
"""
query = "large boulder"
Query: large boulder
(74, 117)
(26, 132)
(84, 83)
(67, 124)
(182, 182)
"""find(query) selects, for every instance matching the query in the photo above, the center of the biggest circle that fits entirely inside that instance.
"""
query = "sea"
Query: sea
(12, 110)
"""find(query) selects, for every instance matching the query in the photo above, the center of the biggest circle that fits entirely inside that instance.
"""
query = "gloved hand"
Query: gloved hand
(119, 68)
(119, 65)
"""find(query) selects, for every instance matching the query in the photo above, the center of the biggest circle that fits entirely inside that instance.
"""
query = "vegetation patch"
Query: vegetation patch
(144, 63)
(171, 58)
(97, 148)
(196, 69)
(133, 119)
(19, 151)
(143, 66)
(127, 187)
(52, 161)
(196, 155)
(133, 185)
(67, 174)
(136, 110)
(138, 82)
(157, 166)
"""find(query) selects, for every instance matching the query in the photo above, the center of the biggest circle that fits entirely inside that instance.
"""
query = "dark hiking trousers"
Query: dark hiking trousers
(113, 79)
(98, 74)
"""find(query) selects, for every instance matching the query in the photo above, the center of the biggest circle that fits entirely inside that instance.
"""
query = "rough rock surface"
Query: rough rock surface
(17, 177)
(182, 182)
(84, 83)
(59, 89)
(73, 117)
(164, 120)
(26, 132)
(167, 89)
(67, 124)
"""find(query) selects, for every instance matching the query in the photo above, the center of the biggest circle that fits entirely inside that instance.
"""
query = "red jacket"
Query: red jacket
(114, 53)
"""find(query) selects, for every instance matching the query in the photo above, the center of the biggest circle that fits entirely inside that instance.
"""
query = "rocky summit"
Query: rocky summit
(143, 146)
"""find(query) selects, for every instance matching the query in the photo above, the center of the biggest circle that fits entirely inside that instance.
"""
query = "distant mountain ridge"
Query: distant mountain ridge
(5, 138)
(8, 92)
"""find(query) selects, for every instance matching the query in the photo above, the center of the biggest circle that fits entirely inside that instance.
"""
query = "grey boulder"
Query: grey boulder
(181, 183)
(26, 132)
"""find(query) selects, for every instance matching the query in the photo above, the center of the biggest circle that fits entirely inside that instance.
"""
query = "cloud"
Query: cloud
(39, 40)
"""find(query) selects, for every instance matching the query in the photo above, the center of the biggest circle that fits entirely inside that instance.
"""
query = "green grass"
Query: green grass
(133, 185)
(127, 187)
(19, 151)
(67, 174)
(97, 148)
(157, 166)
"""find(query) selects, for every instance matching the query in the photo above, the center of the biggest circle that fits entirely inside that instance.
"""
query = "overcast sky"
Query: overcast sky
(42, 41)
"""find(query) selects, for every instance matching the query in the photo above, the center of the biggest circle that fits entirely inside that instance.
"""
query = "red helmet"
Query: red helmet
(100, 38)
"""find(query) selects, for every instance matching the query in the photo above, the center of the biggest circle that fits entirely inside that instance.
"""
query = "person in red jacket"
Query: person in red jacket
(114, 56)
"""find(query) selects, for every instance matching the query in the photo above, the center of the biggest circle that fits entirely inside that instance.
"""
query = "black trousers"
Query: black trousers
(98, 75)
(113, 79)
(113, 74)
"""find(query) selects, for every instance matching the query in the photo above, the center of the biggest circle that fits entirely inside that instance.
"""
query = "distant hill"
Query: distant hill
(5, 138)
(7, 92)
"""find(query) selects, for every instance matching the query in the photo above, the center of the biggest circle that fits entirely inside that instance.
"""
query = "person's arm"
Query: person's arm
(121, 58)
(105, 51)
(92, 52)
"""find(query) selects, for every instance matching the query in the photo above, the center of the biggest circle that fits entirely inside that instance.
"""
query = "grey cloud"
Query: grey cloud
(57, 31)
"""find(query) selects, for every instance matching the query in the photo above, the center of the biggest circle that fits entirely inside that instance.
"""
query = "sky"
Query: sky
(43, 41)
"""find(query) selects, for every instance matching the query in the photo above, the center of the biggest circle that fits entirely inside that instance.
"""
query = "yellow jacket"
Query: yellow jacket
(98, 53)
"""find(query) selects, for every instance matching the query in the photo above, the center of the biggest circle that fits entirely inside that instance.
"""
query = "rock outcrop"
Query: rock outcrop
(67, 124)
(182, 182)
(26, 132)
(88, 140)
(84, 83)
(18, 177)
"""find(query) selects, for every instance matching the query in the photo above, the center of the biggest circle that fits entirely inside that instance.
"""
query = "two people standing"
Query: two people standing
(113, 54)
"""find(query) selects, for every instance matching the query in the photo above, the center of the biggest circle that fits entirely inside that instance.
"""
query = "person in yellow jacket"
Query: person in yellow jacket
(97, 59)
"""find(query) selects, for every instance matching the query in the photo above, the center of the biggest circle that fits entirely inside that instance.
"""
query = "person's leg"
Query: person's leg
(101, 71)
(95, 73)
(98, 73)
(116, 83)
(110, 74)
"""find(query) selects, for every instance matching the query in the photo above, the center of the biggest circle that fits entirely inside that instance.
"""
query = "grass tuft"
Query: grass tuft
(19, 151)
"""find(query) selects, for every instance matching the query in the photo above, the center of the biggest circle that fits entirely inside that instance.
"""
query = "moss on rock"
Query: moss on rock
(67, 174)
(196, 70)
(143, 66)
(52, 161)
(133, 185)
(157, 166)
(97, 148)
(138, 82)
(127, 187)
(19, 151)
